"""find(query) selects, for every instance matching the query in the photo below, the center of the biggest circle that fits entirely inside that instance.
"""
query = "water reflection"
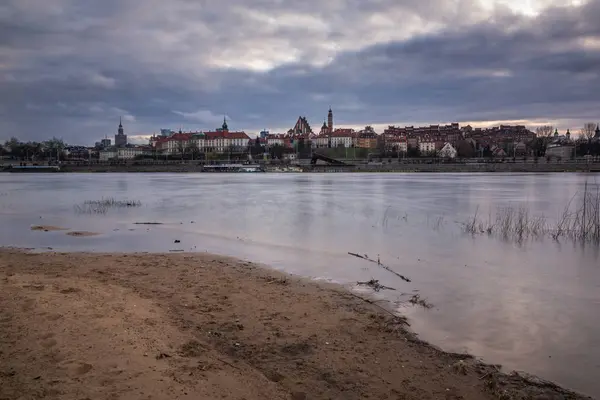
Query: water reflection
(530, 306)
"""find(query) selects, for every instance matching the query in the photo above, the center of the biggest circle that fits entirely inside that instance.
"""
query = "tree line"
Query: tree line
(48, 149)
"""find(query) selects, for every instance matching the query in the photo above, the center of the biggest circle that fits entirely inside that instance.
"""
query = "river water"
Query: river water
(532, 305)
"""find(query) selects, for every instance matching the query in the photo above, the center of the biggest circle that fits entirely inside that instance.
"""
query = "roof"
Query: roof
(343, 132)
(226, 135)
(180, 136)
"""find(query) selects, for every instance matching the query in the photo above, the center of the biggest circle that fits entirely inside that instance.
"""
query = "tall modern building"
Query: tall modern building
(120, 137)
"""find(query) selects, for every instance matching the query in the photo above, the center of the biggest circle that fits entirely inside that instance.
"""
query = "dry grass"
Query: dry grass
(583, 222)
(509, 224)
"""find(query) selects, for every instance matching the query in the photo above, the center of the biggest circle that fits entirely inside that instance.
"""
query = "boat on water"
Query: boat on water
(232, 168)
(31, 168)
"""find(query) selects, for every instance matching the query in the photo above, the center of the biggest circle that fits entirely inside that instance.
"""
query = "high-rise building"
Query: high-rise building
(120, 137)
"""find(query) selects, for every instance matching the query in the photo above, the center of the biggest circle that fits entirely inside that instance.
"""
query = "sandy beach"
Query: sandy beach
(199, 326)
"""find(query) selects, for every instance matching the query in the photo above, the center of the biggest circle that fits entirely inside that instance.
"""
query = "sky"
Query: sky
(71, 68)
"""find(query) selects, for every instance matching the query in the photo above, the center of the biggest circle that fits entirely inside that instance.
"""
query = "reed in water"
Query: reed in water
(579, 221)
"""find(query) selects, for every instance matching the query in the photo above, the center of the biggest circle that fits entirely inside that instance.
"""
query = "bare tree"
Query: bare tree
(588, 131)
(192, 148)
(544, 131)
(181, 147)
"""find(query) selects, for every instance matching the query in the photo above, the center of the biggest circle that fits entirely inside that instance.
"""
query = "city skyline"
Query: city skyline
(70, 70)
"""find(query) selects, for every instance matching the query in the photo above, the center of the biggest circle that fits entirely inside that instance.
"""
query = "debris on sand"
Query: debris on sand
(460, 367)
(375, 285)
(47, 228)
(82, 233)
(418, 301)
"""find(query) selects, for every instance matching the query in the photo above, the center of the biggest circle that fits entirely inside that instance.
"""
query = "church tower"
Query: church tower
(224, 127)
(120, 137)
(330, 120)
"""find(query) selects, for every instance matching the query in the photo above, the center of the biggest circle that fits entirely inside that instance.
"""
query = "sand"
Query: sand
(196, 326)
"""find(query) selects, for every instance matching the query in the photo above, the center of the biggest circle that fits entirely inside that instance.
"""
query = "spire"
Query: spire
(225, 123)
(120, 131)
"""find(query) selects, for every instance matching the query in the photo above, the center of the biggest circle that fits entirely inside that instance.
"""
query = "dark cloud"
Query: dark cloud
(71, 68)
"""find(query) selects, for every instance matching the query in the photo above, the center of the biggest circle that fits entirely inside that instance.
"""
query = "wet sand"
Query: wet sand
(199, 326)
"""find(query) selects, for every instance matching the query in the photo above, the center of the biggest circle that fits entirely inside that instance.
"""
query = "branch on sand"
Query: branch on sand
(366, 257)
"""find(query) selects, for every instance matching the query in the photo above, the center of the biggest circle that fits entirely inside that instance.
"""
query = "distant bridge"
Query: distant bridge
(331, 161)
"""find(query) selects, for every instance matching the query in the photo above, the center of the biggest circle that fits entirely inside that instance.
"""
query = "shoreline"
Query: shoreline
(393, 167)
(188, 325)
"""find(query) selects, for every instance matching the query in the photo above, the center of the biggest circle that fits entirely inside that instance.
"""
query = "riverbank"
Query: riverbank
(393, 166)
(192, 326)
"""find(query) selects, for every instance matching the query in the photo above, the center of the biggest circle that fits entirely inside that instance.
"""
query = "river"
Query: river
(530, 305)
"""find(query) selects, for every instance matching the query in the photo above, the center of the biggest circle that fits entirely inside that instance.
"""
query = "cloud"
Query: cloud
(204, 116)
(72, 68)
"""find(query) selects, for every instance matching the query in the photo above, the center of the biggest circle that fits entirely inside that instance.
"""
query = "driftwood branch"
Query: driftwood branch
(375, 285)
(366, 257)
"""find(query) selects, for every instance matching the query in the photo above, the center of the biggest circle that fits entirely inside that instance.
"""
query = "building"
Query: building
(120, 137)
(302, 127)
(176, 144)
(396, 144)
(104, 143)
(107, 154)
(263, 134)
(367, 138)
(447, 151)
(330, 120)
(222, 141)
(321, 140)
(561, 147)
(276, 140)
(342, 137)
(123, 153)
(427, 147)
(76, 152)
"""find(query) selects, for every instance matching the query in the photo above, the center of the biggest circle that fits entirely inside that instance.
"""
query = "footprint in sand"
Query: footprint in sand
(47, 336)
(28, 305)
(54, 317)
(70, 290)
(48, 343)
(83, 368)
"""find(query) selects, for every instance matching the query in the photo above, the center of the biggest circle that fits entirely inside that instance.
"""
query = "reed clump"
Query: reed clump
(579, 221)
(103, 205)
